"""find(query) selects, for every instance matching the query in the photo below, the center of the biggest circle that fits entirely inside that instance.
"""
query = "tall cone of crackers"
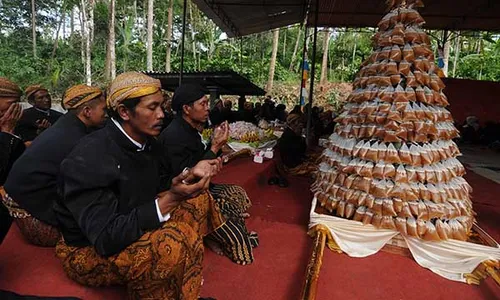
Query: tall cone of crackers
(391, 161)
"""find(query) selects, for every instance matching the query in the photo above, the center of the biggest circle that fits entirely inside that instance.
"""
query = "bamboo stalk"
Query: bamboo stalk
(314, 265)
(494, 273)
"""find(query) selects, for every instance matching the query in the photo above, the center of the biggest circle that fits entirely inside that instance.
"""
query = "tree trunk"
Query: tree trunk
(192, 22)
(211, 42)
(72, 24)
(457, 54)
(307, 37)
(135, 9)
(110, 72)
(33, 26)
(295, 49)
(86, 37)
(324, 64)
(446, 53)
(330, 61)
(82, 28)
(125, 47)
(272, 65)
(169, 36)
(56, 41)
(354, 50)
(91, 20)
(284, 45)
(64, 24)
(149, 54)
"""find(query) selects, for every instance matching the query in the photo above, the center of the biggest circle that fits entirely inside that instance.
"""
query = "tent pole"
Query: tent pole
(183, 40)
(313, 70)
(304, 50)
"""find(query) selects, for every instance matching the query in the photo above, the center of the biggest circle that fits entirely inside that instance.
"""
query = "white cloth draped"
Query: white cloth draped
(451, 259)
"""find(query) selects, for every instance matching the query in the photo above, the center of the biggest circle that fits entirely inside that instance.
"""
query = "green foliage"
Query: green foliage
(481, 60)
(206, 47)
(345, 61)
(334, 99)
(480, 66)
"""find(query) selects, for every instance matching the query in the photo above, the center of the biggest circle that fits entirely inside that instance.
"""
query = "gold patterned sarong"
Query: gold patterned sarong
(163, 264)
(36, 232)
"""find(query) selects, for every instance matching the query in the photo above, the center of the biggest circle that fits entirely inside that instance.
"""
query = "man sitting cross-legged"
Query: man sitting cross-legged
(183, 147)
(39, 117)
(11, 146)
(31, 188)
(119, 224)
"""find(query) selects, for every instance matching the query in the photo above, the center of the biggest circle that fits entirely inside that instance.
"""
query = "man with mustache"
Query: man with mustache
(119, 222)
(39, 117)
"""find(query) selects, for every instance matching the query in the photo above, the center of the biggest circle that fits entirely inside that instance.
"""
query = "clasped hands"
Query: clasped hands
(189, 184)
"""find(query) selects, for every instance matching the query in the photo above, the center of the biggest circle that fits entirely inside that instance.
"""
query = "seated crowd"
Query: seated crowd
(121, 203)
(487, 134)
(121, 185)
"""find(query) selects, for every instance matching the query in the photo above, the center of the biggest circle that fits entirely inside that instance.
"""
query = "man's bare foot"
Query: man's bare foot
(245, 215)
(214, 246)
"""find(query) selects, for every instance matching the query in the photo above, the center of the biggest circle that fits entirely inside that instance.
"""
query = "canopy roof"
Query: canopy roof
(223, 82)
(244, 17)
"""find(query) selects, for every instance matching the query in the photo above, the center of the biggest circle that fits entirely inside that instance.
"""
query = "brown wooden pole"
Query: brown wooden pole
(314, 266)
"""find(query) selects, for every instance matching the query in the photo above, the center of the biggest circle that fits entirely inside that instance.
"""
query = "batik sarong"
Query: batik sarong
(163, 264)
(36, 232)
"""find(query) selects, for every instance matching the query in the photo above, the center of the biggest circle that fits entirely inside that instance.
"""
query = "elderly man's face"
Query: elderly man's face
(148, 117)
(5, 103)
(42, 100)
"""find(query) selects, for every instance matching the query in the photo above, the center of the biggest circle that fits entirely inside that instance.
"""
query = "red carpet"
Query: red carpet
(280, 216)
(391, 276)
(486, 203)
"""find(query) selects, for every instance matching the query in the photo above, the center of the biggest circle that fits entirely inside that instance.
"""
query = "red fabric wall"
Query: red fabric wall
(472, 97)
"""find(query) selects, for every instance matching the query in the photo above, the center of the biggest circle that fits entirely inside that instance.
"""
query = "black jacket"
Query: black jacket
(11, 148)
(182, 146)
(169, 117)
(292, 148)
(109, 188)
(26, 127)
(32, 182)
